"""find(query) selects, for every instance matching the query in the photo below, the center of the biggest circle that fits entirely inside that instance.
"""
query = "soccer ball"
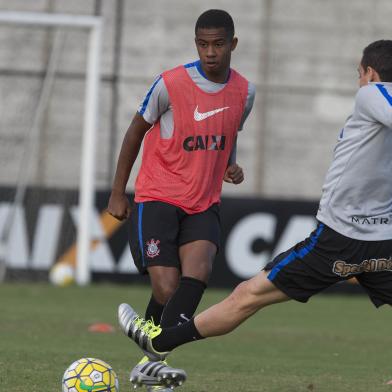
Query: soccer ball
(91, 375)
(62, 274)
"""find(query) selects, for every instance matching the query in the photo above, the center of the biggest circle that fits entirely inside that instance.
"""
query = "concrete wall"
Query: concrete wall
(301, 54)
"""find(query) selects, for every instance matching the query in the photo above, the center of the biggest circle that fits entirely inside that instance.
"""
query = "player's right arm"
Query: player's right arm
(374, 103)
(155, 103)
(119, 205)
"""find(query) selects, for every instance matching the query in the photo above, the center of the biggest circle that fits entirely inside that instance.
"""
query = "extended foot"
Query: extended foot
(140, 331)
(158, 375)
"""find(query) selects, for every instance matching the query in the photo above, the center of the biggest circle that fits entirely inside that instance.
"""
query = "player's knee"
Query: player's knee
(244, 299)
(199, 271)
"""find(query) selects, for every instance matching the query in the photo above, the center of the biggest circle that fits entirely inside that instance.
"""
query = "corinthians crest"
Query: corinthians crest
(153, 248)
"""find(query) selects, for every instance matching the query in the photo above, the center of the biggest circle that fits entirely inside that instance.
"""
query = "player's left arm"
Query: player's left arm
(234, 173)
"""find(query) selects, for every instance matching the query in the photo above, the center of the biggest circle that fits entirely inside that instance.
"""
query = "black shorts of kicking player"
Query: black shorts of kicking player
(327, 257)
(158, 229)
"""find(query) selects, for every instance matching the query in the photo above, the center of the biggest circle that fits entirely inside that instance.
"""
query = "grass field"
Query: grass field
(332, 344)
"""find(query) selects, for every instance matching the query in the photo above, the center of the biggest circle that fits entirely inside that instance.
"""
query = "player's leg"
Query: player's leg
(154, 230)
(164, 282)
(198, 240)
(196, 259)
(158, 376)
(246, 299)
(153, 242)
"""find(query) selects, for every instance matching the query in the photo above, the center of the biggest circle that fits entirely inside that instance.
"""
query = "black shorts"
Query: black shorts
(158, 229)
(327, 257)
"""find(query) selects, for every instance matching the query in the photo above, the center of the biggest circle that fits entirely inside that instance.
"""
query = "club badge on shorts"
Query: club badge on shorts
(153, 248)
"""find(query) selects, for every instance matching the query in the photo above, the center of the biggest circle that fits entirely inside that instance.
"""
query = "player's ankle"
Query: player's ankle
(170, 338)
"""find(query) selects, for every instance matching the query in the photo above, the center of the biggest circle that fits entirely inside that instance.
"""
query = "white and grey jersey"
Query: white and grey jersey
(357, 193)
(156, 104)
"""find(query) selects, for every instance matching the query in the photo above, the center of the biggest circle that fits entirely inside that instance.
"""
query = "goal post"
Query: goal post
(93, 24)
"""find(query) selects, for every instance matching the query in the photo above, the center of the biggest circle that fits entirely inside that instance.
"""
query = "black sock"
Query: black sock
(182, 305)
(154, 310)
(173, 337)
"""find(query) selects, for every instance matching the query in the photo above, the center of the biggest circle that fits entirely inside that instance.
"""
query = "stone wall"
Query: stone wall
(302, 56)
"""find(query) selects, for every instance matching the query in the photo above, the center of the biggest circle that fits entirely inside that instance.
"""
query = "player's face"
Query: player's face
(214, 48)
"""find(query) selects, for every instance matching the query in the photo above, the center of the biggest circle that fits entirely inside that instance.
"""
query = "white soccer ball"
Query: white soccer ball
(62, 274)
(90, 374)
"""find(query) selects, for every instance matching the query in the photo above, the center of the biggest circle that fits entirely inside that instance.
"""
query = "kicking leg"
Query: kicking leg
(247, 298)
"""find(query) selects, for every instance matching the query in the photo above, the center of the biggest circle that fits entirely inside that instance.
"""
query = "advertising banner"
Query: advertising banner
(43, 234)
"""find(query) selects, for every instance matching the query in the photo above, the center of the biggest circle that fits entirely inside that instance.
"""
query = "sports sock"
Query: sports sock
(154, 310)
(170, 338)
(182, 305)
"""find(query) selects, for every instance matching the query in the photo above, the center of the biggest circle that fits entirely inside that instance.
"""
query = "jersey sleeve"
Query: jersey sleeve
(374, 103)
(249, 104)
(156, 101)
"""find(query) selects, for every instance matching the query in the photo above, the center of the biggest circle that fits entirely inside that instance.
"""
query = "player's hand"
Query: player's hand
(119, 205)
(234, 174)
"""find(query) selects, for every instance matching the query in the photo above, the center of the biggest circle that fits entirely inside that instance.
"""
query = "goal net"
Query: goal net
(49, 81)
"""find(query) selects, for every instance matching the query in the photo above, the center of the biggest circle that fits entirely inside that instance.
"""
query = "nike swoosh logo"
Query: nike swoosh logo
(202, 116)
(85, 387)
(182, 315)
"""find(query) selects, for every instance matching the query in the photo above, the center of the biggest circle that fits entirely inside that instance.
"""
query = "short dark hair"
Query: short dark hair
(378, 55)
(216, 19)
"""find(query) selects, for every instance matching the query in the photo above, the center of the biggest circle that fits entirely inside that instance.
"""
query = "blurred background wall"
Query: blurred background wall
(302, 56)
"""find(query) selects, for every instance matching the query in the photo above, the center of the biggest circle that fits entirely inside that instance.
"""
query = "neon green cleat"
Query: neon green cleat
(142, 332)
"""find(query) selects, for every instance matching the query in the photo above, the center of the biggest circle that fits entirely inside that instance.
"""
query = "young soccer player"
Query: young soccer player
(189, 121)
(353, 237)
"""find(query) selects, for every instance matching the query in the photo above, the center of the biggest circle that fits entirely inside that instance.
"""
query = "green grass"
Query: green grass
(332, 344)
